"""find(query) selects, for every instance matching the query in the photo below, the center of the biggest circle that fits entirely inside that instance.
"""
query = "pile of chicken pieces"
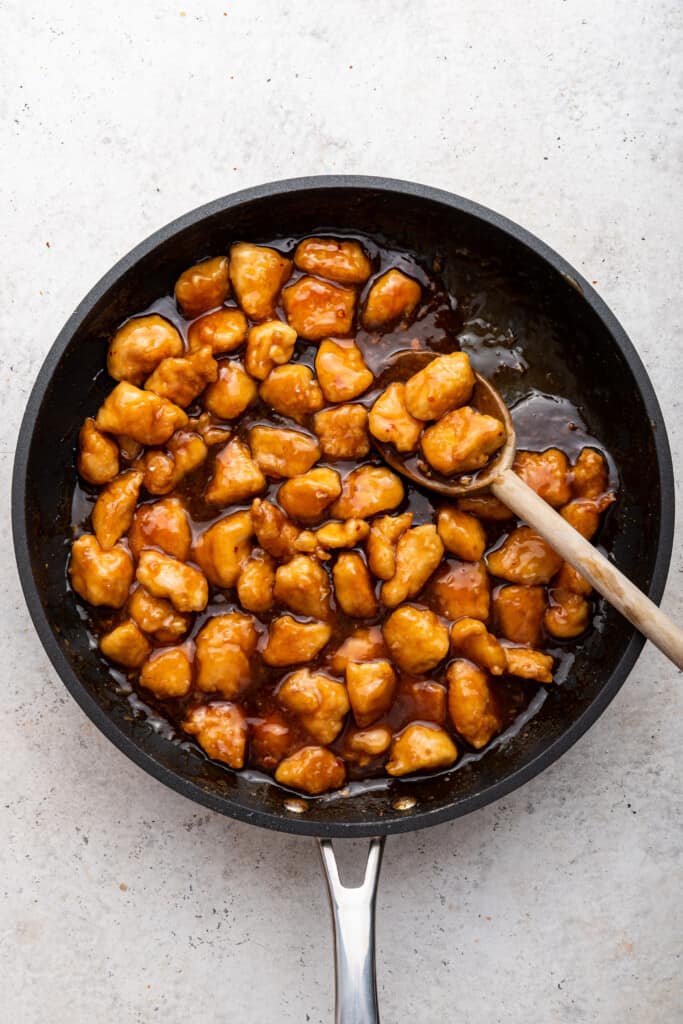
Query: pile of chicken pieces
(431, 608)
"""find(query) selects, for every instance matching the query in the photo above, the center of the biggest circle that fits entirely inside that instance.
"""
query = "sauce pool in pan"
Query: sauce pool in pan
(457, 655)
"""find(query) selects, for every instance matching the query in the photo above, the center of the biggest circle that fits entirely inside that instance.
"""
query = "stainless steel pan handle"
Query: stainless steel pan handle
(353, 913)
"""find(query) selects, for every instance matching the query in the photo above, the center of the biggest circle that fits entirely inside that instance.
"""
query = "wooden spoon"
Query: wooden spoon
(499, 478)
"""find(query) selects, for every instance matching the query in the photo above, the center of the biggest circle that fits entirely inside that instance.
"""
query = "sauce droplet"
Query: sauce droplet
(296, 806)
(404, 803)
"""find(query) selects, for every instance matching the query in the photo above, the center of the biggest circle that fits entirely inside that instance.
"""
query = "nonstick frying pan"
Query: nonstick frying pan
(574, 347)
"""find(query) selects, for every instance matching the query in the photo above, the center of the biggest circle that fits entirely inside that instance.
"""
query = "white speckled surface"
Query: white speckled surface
(121, 901)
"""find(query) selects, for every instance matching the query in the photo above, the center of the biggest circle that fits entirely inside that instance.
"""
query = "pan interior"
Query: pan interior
(570, 350)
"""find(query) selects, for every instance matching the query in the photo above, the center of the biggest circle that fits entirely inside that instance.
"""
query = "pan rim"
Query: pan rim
(300, 825)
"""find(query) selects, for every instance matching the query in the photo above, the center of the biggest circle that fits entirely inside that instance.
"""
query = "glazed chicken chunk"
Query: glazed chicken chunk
(518, 613)
(303, 586)
(423, 700)
(183, 585)
(316, 308)
(547, 473)
(471, 703)
(268, 344)
(209, 429)
(416, 639)
(275, 532)
(584, 513)
(589, 474)
(367, 491)
(461, 533)
(232, 393)
(525, 558)
(224, 547)
(181, 379)
(223, 331)
(343, 432)
(529, 664)
(281, 452)
(462, 440)
(342, 372)
(156, 616)
(101, 577)
(272, 737)
(225, 646)
(390, 421)
(307, 496)
(567, 615)
(443, 384)
(221, 730)
(126, 645)
(98, 455)
(341, 535)
(313, 770)
(421, 748)
(342, 261)
(114, 508)
(257, 273)
(461, 589)
(167, 673)
(163, 470)
(353, 586)
(293, 391)
(142, 415)
(320, 702)
(161, 524)
(382, 541)
(365, 643)
(418, 552)
(256, 582)
(236, 476)
(371, 686)
(291, 642)
(471, 639)
(203, 286)
(140, 345)
(392, 297)
(365, 745)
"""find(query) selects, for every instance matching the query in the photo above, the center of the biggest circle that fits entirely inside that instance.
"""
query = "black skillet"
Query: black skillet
(575, 347)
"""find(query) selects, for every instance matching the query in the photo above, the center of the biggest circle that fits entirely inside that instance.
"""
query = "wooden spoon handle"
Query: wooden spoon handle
(601, 574)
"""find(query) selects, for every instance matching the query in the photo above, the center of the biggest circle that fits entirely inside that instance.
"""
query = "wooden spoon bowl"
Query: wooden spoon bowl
(485, 399)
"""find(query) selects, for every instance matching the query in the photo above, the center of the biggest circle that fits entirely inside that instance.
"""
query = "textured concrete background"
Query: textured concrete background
(121, 900)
